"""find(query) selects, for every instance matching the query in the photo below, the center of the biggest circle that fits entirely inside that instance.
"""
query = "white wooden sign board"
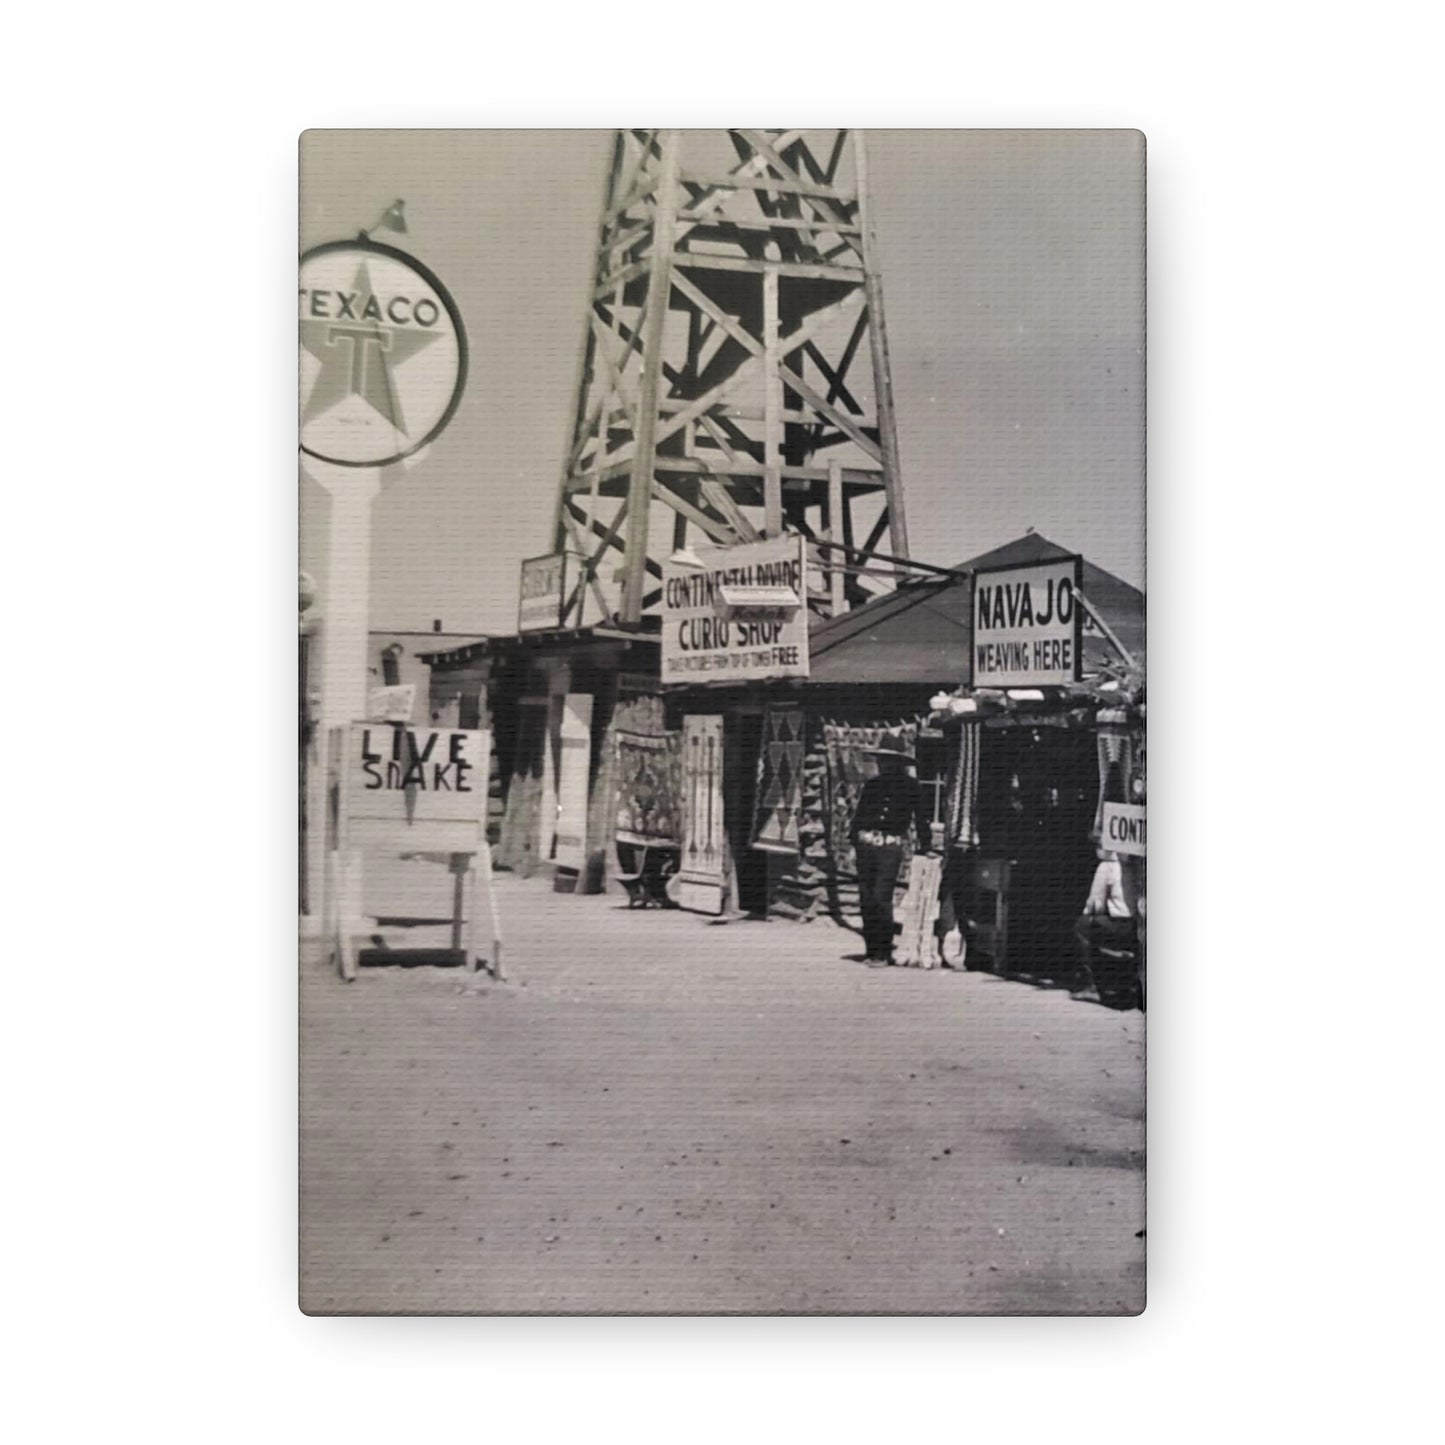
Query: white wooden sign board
(391, 704)
(412, 791)
(572, 774)
(1125, 829)
(1027, 625)
(702, 644)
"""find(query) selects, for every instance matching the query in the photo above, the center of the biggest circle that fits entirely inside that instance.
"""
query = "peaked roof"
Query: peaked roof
(921, 633)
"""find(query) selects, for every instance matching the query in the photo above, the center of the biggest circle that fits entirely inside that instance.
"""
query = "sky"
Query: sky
(1013, 294)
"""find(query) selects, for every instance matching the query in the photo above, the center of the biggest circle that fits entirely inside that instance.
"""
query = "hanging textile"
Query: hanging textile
(961, 814)
(1116, 756)
(702, 869)
(848, 769)
(780, 781)
(648, 789)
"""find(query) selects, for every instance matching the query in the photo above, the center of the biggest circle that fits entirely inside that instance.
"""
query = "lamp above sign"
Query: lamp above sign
(1027, 624)
(383, 354)
(762, 604)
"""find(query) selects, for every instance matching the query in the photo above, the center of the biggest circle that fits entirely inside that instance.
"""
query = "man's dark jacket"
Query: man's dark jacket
(888, 803)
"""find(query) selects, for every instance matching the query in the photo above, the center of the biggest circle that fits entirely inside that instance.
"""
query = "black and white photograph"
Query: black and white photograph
(722, 737)
(687, 975)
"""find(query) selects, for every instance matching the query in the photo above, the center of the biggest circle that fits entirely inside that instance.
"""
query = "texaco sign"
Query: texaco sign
(383, 354)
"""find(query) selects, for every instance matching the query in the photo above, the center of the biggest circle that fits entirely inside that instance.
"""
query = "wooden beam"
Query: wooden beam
(710, 425)
(841, 420)
(648, 185)
(623, 275)
(584, 372)
(718, 531)
(589, 571)
(835, 515)
(800, 270)
(605, 334)
(815, 323)
(635, 147)
(876, 533)
(723, 503)
(858, 480)
(714, 312)
(659, 284)
(882, 377)
(623, 238)
(821, 206)
(769, 183)
(837, 387)
(772, 402)
(608, 534)
(771, 223)
(715, 197)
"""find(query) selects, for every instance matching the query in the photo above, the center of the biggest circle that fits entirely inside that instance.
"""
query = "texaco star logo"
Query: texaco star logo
(383, 354)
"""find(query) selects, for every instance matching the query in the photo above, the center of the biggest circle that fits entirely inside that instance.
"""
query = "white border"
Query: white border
(1293, 359)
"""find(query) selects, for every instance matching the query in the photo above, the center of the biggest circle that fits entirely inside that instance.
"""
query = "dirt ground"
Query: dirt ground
(659, 1114)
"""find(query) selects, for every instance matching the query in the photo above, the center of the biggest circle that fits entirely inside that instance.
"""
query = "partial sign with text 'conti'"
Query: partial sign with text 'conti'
(1125, 830)
(1027, 624)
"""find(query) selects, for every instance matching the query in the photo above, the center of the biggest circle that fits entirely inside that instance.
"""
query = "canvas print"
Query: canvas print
(722, 772)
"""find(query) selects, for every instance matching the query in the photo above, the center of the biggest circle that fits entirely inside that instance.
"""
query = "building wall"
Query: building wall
(405, 649)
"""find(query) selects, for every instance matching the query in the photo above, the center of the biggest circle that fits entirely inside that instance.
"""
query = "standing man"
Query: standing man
(890, 804)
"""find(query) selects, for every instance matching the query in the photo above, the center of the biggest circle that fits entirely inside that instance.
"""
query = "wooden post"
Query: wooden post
(836, 560)
(659, 288)
(459, 865)
(482, 879)
(587, 353)
(772, 411)
(344, 905)
(878, 344)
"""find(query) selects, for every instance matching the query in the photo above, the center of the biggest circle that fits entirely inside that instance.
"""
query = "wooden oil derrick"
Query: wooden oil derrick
(734, 380)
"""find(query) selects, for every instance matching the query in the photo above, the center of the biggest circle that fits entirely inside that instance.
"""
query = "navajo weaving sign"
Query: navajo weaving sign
(780, 781)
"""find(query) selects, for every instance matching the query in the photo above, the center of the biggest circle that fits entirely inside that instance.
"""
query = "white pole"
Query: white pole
(346, 613)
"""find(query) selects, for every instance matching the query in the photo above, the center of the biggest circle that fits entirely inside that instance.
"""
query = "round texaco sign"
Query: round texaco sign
(383, 354)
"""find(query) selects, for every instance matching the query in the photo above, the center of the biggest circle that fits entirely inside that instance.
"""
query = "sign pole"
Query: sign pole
(383, 363)
(344, 676)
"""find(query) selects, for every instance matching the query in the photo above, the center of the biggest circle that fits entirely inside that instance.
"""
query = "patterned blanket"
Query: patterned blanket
(777, 816)
(649, 788)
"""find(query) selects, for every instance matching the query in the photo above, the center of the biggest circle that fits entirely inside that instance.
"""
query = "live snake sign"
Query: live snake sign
(409, 777)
